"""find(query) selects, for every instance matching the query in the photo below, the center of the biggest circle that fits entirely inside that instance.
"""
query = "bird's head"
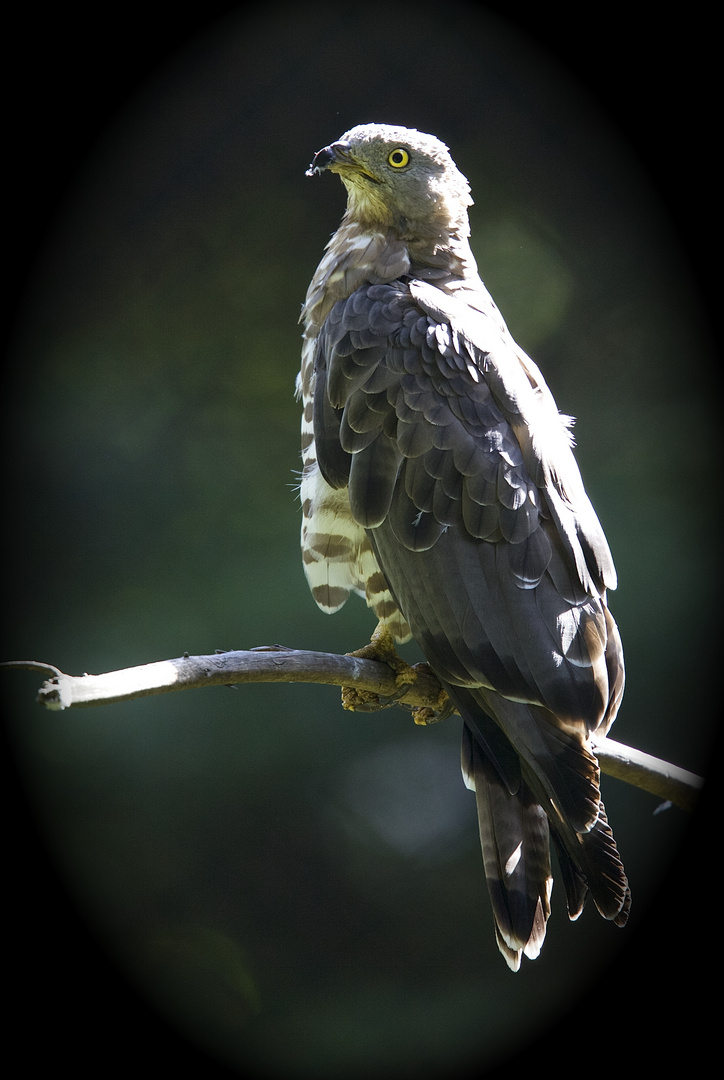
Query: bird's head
(398, 177)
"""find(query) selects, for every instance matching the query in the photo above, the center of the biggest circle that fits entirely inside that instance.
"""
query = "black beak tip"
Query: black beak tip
(321, 160)
(324, 157)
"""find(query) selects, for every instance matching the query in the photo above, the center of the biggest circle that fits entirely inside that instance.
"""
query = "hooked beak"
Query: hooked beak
(339, 158)
(327, 156)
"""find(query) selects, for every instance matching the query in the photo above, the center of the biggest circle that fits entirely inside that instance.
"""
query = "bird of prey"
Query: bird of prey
(439, 483)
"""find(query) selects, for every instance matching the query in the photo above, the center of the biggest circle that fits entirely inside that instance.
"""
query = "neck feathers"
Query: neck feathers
(358, 254)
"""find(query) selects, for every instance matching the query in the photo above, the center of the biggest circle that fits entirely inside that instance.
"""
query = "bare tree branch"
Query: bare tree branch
(651, 774)
(372, 682)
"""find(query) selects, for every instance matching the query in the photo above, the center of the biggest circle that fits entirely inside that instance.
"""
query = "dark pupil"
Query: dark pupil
(398, 157)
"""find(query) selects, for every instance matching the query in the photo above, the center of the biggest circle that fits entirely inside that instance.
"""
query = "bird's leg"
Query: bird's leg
(382, 649)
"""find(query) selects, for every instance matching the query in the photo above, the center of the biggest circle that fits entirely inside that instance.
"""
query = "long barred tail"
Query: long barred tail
(517, 819)
(515, 841)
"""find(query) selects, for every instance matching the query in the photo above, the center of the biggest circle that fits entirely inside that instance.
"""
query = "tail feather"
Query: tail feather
(564, 767)
(574, 883)
(518, 814)
(514, 837)
(594, 866)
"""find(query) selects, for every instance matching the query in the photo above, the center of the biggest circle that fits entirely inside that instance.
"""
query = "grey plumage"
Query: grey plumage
(439, 481)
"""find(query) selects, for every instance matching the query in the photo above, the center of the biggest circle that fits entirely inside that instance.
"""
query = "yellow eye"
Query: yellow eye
(398, 158)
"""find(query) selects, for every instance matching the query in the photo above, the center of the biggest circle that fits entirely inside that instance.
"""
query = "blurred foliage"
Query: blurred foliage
(298, 890)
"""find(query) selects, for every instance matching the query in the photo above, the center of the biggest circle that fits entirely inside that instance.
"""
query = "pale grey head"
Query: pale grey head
(398, 177)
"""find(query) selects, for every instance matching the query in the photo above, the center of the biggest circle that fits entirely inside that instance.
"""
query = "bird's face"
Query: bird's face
(397, 177)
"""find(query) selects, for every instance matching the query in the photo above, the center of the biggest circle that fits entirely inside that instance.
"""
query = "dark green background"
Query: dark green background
(296, 889)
